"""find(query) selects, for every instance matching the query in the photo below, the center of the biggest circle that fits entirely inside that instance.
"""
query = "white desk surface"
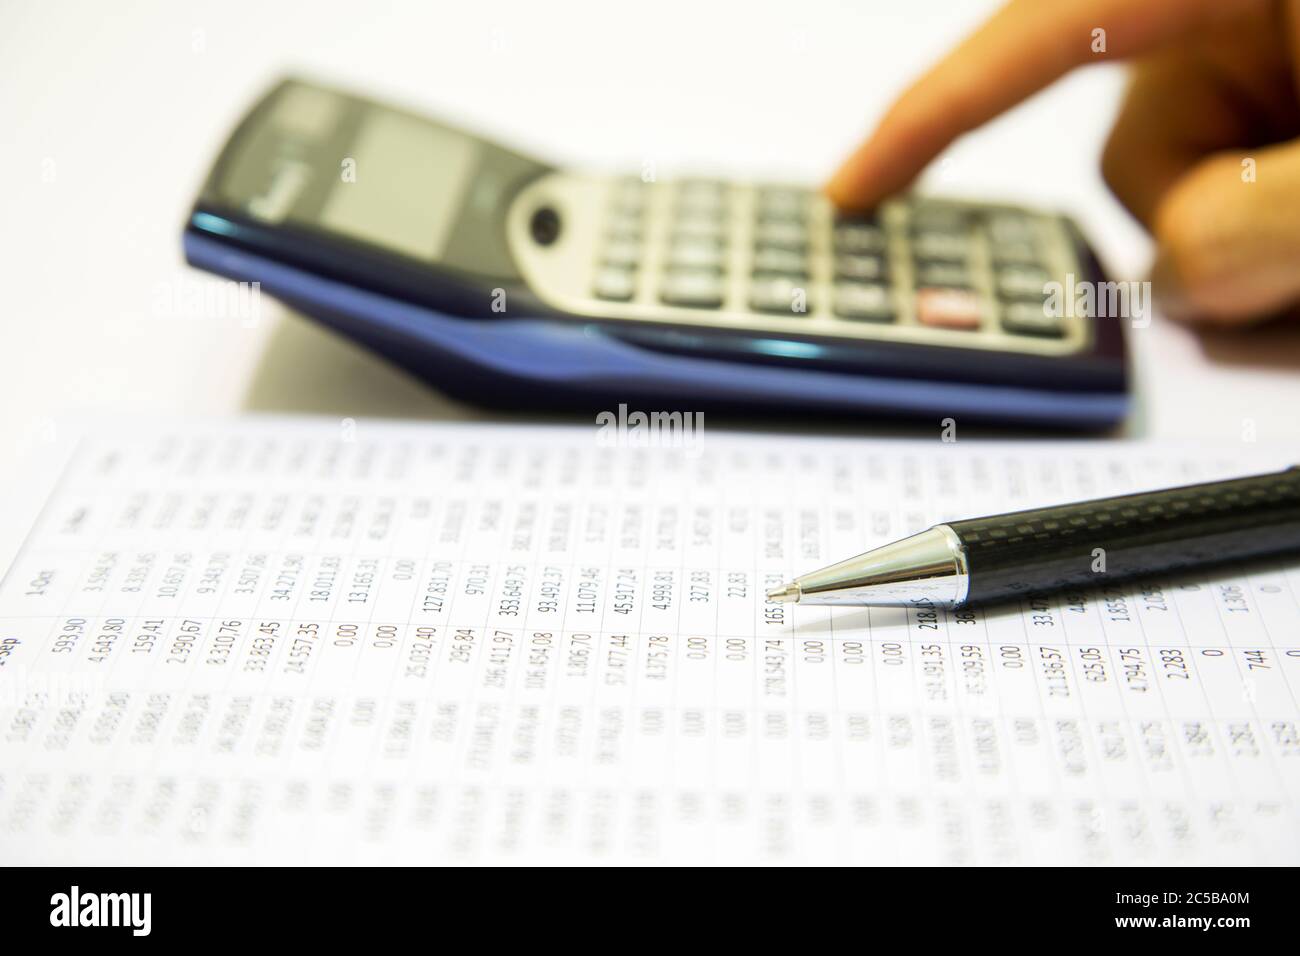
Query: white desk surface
(113, 112)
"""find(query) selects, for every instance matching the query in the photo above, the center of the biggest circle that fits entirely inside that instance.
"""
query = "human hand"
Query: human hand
(1204, 151)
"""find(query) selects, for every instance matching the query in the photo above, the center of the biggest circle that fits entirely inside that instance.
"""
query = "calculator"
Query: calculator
(504, 280)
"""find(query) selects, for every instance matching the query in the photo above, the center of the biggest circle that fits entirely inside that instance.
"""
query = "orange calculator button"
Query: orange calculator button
(948, 308)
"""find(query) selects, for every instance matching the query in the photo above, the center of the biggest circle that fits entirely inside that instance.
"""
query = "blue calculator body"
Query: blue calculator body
(505, 281)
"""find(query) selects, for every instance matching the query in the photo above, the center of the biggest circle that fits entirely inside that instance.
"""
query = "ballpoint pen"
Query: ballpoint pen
(983, 560)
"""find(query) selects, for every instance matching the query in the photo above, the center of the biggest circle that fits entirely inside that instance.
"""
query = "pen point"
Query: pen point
(784, 594)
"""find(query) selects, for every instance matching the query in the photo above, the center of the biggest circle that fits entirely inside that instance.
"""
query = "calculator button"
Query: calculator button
(785, 235)
(623, 227)
(1031, 318)
(1010, 228)
(935, 218)
(948, 308)
(615, 284)
(941, 246)
(698, 288)
(1021, 283)
(778, 260)
(691, 252)
(622, 253)
(783, 204)
(779, 294)
(701, 188)
(866, 301)
(629, 196)
(632, 211)
(860, 267)
(1019, 253)
(942, 274)
(698, 225)
(859, 237)
(701, 195)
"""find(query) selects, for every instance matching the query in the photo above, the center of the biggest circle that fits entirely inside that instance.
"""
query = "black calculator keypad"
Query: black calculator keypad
(921, 267)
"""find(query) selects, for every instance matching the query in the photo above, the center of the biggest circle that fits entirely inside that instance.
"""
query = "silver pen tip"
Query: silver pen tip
(785, 594)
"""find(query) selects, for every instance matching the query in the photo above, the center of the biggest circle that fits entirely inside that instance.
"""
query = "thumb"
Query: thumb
(1228, 238)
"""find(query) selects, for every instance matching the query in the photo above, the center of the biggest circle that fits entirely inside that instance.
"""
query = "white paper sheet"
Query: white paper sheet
(288, 641)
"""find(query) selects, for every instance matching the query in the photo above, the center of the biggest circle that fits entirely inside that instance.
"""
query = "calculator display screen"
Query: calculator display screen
(403, 185)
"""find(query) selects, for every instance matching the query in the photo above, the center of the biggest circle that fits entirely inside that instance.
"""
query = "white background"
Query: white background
(126, 104)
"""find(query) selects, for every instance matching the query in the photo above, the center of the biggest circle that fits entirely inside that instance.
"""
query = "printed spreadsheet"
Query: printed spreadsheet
(295, 641)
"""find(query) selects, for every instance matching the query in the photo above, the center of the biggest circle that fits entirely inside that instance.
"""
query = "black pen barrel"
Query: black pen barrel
(1095, 543)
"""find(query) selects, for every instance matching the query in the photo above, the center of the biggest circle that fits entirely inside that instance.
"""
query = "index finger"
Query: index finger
(1025, 46)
